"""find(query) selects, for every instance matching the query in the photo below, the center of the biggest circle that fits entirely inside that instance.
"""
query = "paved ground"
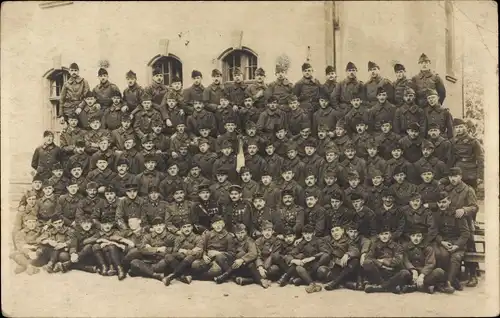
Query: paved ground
(90, 295)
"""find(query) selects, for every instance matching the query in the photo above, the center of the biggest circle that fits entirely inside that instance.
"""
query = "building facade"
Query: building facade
(42, 38)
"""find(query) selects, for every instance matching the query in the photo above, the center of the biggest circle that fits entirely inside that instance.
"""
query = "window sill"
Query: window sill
(451, 78)
(54, 98)
(244, 82)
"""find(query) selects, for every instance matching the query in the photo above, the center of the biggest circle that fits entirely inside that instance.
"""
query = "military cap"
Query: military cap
(265, 171)
(388, 193)
(323, 95)
(107, 219)
(305, 125)
(292, 98)
(340, 123)
(423, 58)
(110, 188)
(308, 194)
(458, 121)
(356, 196)
(216, 72)
(171, 163)
(216, 218)
(122, 161)
(72, 181)
(349, 146)
(237, 71)
(56, 217)
(176, 79)
(351, 66)
(130, 74)
(399, 67)
(350, 225)
(268, 142)
(306, 66)
(260, 72)
(228, 120)
(376, 173)
(417, 228)
(355, 95)
(414, 126)
(359, 121)
(69, 116)
(371, 144)
(266, 225)
(310, 142)
(433, 126)
(76, 164)
(202, 141)
(244, 169)
(95, 118)
(288, 230)
(157, 220)
(339, 222)
(131, 186)
(292, 145)
(235, 187)
(385, 121)
(352, 175)
(455, 171)
(384, 227)
(147, 138)
(37, 177)
(196, 73)
(48, 133)
(102, 71)
(330, 173)
(240, 227)
(226, 144)
(337, 195)
(310, 172)
(425, 168)
(250, 125)
(116, 93)
(57, 166)
(29, 216)
(372, 65)
(272, 99)
(381, 90)
(415, 196)
(47, 183)
(399, 169)
(74, 66)
(101, 157)
(89, 94)
(308, 229)
(442, 195)
(395, 145)
(146, 97)
(222, 171)
(157, 71)
(31, 193)
(154, 188)
(431, 92)
(92, 185)
(287, 192)
(409, 90)
(280, 68)
(126, 117)
(331, 147)
(258, 195)
(426, 144)
(329, 69)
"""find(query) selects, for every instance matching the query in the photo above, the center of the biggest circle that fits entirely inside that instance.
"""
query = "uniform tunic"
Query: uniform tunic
(281, 89)
(128, 208)
(425, 80)
(469, 156)
(66, 207)
(73, 93)
(407, 114)
(307, 91)
(371, 87)
(422, 217)
(103, 93)
(442, 117)
(292, 216)
(132, 96)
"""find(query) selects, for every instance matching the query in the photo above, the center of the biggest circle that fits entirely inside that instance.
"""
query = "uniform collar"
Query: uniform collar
(105, 85)
(73, 80)
(216, 87)
(427, 73)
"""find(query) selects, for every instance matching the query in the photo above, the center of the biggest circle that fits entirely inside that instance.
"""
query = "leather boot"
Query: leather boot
(65, 266)
(102, 268)
(409, 289)
(334, 284)
(49, 267)
(121, 273)
(283, 281)
(371, 288)
(243, 281)
(58, 267)
(222, 278)
(186, 279)
(111, 270)
(297, 281)
(168, 279)
(349, 285)
(472, 282)
(19, 269)
(457, 285)
(88, 268)
(158, 276)
(445, 288)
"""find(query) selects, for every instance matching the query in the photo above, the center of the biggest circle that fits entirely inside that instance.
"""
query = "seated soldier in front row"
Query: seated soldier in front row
(26, 243)
(269, 248)
(81, 249)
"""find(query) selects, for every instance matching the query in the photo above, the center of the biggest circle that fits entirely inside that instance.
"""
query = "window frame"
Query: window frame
(248, 63)
(168, 60)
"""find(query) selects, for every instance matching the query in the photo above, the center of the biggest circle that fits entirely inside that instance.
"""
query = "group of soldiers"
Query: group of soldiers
(369, 186)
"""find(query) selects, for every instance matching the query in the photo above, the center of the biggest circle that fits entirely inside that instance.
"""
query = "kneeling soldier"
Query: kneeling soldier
(420, 259)
(383, 264)
(343, 257)
(26, 242)
(304, 261)
(269, 248)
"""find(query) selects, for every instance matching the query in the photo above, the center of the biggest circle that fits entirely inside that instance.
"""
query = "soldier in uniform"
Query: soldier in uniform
(281, 88)
(132, 94)
(135, 159)
(341, 138)
(239, 211)
(363, 244)
(130, 206)
(224, 112)
(26, 245)
(401, 187)
(195, 92)
(288, 182)
(412, 143)
(105, 89)
(154, 207)
(381, 110)
(288, 213)
(437, 114)
(220, 189)
(150, 176)
(271, 118)
(331, 80)
(253, 160)
(67, 204)
(112, 116)
(385, 139)
(178, 210)
(295, 116)
(205, 158)
(439, 168)
(260, 214)
(416, 213)
(307, 90)
(45, 207)
(122, 177)
(356, 113)
(80, 157)
(155, 92)
(193, 180)
(429, 187)
(272, 160)
(227, 161)
(204, 209)
(442, 146)
(36, 191)
(124, 131)
(257, 90)
(236, 90)
(315, 214)
(375, 189)
(200, 118)
(102, 174)
(374, 83)
(70, 135)
(56, 241)
(467, 154)
(45, 156)
(106, 207)
(145, 117)
(373, 160)
(409, 112)
(401, 84)
(325, 115)
(103, 151)
(362, 215)
(212, 94)
(80, 250)
(131, 238)
(353, 163)
(427, 79)
(269, 248)
(93, 136)
(106, 251)
(248, 186)
(342, 95)
(391, 215)
(73, 91)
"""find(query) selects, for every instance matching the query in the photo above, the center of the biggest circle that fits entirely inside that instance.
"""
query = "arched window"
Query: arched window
(170, 66)
(56, 79)
(243, 58)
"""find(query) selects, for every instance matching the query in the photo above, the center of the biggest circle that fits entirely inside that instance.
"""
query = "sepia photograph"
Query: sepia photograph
(249, 159)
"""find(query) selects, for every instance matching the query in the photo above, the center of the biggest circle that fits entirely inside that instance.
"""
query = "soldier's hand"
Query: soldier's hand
(207, 259)
(259, 93)
(181, 112)
(78, 111)
(73, 224)
(124, 108)
(237, 263)
(168, 122)
(101, 189)
(280, 237)
(415, 276)
(131, 116)
(174, 154)
(331, 134)
(362, 259)
(446, 245)
(161, 249)
(297, 241)
(74, 257)
(453, 248)
(21, 208)
(420, 281)
(147, 246)
(32, 254)
(182, 250)
(426, 205)
(235, 108)
(459, 213)
(262, 271)
(344, 259)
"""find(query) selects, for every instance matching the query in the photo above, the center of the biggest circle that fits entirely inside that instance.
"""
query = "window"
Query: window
(56, 79)
(170, 66)
(245, 59)
(449, 38)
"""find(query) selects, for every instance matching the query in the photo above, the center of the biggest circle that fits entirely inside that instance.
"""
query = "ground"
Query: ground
(82, 294)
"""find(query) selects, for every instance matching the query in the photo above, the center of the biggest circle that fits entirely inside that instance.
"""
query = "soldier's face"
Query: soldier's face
(307, 236)
(351, 73)
(153, 195)
(415, 203)
(157, 129)
(356, 102)
(238, 78)
(374, 71)
(37, 184)
(409, 98)
(79, 150)
(353, 234)
(204, 132)
(159, 228)
(287, 175)
(372, 152)
(72, 189)
(198, 106)
(386, 128)
(307, 73)
(292, 153)
(48, 190)
(30, 224)
(358, 204)
(444, 203)
(183, 150)
(323, 103)
(86, 225)
(104, 144)
(434, 133)
(90, 100)
(388, 201)
(382, 97)
(332, 76)
(459, 129)
(103, 78)
(102, 164)
(116, 99)
(377, 180)
(311, 201)
(173, 170)
(147, 104)
(187, 229)
(360, 128)
(150, 165)
(396, 153)
(230, 127)
(57, 173)
(427, 152)
(290, 238)
(106, 227)
(131, 81)
(331, 156)
(294, 105)
(204, 195)
(432, 100)
(330, 180)
(425, 65)
(309, 150)
(260, 78)
(73, 72)
(58, 224)
(122, 169)
(181, 128)
(73, 122)
(280, 75)
(454, 180)
(217, 79)
(110, 196)
(337, 232)
(416, 238)
(221, 178)
(259, 203)
(339, 131)
(252, 149)
(287, 200)
(385, 236)
(171, 102)
(197, 80)
(177, 86)
(246, 176)
(335, 203)
(224, 102)
(203, 147)
(305, 133)
(266, 180)
(31, 200)
(272, 106)
(235, 196)
(310, 181)
(179, 195)
(95, 124)
(280, 134)
(350, 153)
(241, 235)
(413, 134)
(148, 145)
(248, 102)
(270, 150)
(218, 226)
(400, 74)
(322, 134)
(267, 233)
(126, 124)
(128, 144)
(48, 139)
(195, 171)
(91, 192)
(134, 223)
(353, 182)
(131, 193)
(227, 151)
(400, 177)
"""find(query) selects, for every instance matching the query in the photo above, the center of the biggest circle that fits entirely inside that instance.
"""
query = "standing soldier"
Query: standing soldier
(331, 80)
(70, 135)
(271, 118)
(435, 113)
(256, 91)
(374, 83)
(401, 84)
(129, 207)
(195, 92)
(427, 79)
(467, 154)
(46, 156)
(155, 91)
(281, 88)
(342, 95)
(213, 93)
(105, 90)
(307, 90)
(73, 91)
(381, 110)
(238, 211)
(132, 94)
(288, 214)
(408, 112)
(236, 90)
(443, 149)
